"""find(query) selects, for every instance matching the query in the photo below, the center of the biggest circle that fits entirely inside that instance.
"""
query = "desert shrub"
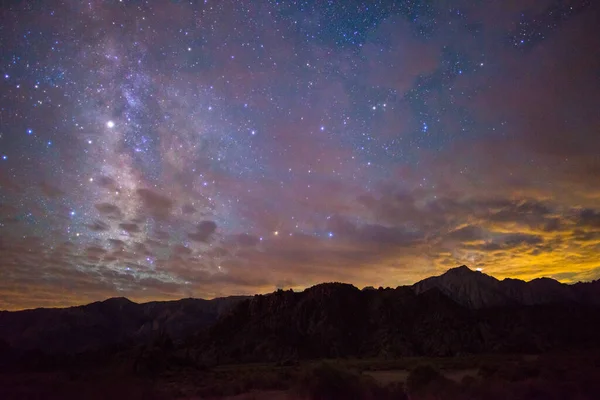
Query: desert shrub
(268, 380)
(327, 381)
(421, 378)
(553, 372)
(488, 370)
(519, 372)
(533, 390)
(395, 391)
(589, 385)
(488, 389)
(468, 381)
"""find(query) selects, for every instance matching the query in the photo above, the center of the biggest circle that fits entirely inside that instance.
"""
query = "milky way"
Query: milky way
(164, 149)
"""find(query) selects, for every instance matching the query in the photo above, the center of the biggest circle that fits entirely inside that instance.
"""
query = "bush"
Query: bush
(468, 381)
(488, 370)
(326, 381)
(421, 378)
(518, 372)
(396, 391)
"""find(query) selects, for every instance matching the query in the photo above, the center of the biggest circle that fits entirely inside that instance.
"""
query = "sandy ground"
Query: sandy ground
(256, 395)
(400, 375)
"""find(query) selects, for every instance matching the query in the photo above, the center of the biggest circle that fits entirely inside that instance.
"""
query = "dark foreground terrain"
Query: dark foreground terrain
(549, 376)
(462, 335)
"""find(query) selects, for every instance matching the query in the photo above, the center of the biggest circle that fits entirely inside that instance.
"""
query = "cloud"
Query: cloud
(546, 96)
(581, 236)
(129, 227)
(385, 235)
(161, 235)
(517, 239)
(8, 184)
(7, 210)
(589, 218)
(95, 251)
(242, 239)
(467, 233)
(98, 226)
(110, 211)
(530, 213)
(155, 204)
(155, 243)
(116, 243)
(396, 58)
(203, 232)
(188, 209)
(141, 249)
(553, 224)
(50, 191)
(181, 250)
(106, 182)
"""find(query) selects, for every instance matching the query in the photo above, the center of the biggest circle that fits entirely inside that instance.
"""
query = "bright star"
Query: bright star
(110, 124)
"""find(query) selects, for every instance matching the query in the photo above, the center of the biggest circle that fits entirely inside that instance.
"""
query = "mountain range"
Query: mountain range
(106, 323)
(461, 311)
(475, 290)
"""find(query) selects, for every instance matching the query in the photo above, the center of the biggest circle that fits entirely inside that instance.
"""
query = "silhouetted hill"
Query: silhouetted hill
(337, 320)
(109, 322)
(461, 311)
(476, 290)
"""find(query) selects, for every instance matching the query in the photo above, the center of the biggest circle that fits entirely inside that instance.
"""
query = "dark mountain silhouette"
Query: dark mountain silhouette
(338, 320)
(461, 311)
(109, 322)
(476, 290)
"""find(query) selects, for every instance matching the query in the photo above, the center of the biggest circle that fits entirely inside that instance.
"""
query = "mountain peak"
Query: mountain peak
(464, 273)
(118, 300)
(474, 289)
(470, 288)
(462, 270)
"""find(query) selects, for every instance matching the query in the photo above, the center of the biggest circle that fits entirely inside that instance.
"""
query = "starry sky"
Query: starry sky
(167, 149)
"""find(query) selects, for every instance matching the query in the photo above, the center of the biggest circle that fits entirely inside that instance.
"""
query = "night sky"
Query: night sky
(167, 149)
